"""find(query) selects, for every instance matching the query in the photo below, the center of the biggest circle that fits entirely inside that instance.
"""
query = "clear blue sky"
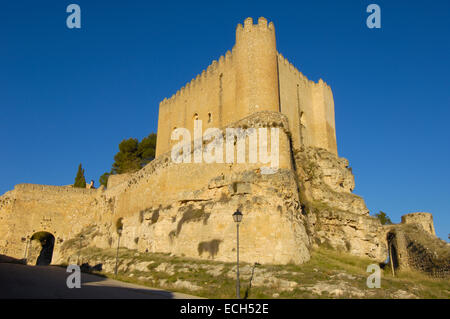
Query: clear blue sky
(69, 96)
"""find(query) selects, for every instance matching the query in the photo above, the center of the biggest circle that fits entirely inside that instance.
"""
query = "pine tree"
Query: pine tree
(132, 156)
(383, 218)
(127, 159)
(104, 179)
(80, 181)
(147, 149)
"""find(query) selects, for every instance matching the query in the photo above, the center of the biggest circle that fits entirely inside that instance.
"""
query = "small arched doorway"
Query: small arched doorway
(394, 256)
(392, 249)
(43, 244)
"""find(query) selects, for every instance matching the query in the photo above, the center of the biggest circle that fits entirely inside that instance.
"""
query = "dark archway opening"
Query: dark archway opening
(394, 256)
(47, 241)
(392, 251)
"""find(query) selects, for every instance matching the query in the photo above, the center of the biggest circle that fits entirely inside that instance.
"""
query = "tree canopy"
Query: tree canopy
(127, 159)
(104, 179)
(80, 181)
(383, 218)
(132, 156)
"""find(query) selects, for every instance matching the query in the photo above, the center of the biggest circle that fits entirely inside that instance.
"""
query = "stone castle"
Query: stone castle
(186, 208)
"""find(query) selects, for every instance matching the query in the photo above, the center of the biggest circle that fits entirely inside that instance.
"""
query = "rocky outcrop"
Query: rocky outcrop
(335, 216)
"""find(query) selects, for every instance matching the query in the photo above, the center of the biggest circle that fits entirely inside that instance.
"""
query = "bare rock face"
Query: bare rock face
(327, 180)
(336, 217)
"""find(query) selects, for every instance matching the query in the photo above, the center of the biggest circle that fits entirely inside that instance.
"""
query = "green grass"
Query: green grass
(324, 267)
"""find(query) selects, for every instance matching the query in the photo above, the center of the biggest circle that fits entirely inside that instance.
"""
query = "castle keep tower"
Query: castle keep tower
(256, 63)
(253, 77)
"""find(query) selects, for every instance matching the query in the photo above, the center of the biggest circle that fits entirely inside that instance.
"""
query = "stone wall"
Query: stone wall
(60, 210)
(116, 179)
(412, 247)
(309, 107)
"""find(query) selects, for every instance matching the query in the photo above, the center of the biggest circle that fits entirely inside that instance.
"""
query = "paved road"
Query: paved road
(20, 281)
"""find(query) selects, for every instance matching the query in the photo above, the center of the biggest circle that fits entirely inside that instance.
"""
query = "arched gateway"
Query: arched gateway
(41, 248)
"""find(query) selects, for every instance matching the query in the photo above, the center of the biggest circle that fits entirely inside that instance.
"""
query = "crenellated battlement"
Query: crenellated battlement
(260, 26)
(246, 80)
(211, 70)
(282, 60)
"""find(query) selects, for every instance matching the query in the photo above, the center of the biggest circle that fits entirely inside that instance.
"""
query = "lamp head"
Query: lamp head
(237, 216)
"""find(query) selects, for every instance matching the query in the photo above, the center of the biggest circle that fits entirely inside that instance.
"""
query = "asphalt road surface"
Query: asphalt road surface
(49, 282)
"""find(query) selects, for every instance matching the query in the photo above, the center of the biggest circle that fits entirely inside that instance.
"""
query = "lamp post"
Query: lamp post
(27, 241)
(119, 231)
(79, 250)
(237, 217)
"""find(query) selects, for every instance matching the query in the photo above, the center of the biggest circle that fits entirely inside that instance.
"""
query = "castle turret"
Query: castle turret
(423, 219)
(256, 74)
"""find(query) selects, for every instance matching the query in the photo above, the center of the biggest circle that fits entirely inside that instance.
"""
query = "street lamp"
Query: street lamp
(237, 217)
(119, 231)
(79, 250)
(27, 241)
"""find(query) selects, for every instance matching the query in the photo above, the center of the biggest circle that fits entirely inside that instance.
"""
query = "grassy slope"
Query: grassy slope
(329, 274)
